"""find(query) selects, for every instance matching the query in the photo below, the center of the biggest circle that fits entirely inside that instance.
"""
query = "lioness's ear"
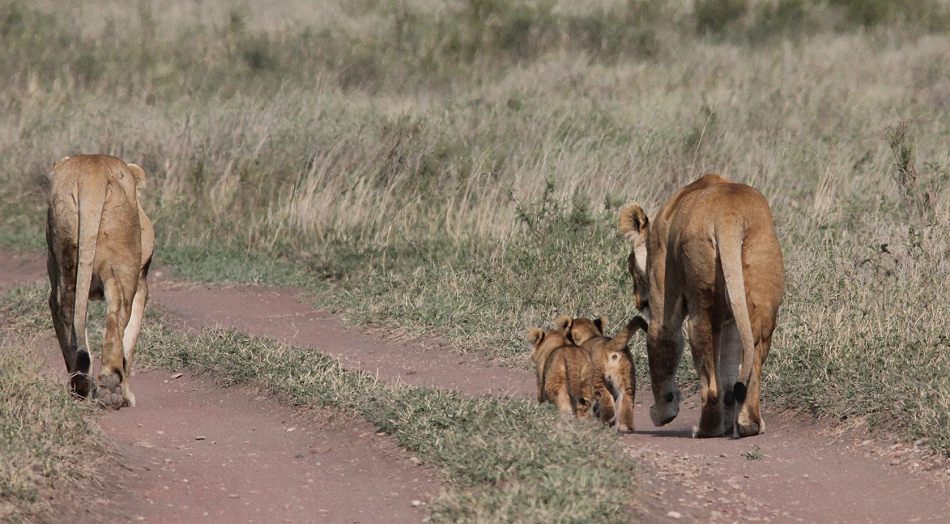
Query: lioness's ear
(633, 224)
(535, 336)
(564, 322)
(60, 161)
(599, 324)
(138, 173)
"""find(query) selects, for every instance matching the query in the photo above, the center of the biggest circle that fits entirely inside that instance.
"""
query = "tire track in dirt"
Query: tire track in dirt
(798, 471)
(193, 452)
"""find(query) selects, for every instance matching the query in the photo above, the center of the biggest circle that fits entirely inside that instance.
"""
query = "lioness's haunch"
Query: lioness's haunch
(563, 372)
(711, 253)
(100, 244)
(614, 375)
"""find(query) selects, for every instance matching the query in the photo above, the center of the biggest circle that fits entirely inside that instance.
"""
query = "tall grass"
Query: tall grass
(457, 165)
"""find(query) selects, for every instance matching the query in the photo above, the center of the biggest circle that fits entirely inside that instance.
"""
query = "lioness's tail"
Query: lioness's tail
(730, 255)
(91, 194)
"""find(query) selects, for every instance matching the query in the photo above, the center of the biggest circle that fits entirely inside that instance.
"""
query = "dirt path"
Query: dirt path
(804, 474)
(797, 472)
(193, 452)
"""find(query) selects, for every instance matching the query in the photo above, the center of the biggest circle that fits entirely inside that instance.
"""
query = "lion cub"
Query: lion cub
(614, 376)
(564, 372)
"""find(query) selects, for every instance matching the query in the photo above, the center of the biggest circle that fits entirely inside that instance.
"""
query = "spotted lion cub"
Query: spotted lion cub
(614, 375)
(564, 372)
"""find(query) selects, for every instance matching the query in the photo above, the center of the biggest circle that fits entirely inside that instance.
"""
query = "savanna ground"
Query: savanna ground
(456, 167)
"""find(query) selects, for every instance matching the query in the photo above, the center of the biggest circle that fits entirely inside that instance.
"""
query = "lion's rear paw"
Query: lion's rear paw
(109, 391)
(80, 384)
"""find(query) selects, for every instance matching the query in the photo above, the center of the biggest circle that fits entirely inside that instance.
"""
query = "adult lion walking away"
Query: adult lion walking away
(711, 254)
(100, 244)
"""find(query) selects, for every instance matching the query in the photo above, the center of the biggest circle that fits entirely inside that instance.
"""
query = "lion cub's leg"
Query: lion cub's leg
(704, 342)
(584, 400)
(626, 391)
(562, 399)
(119, 286)
(605, 401)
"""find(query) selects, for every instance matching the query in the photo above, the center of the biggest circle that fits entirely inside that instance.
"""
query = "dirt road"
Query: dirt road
(797, 472)
(193, 452)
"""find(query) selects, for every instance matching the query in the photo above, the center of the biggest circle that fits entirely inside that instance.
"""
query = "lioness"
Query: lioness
(711, 254)
(563, 372)
(100, 244)
(615, 380)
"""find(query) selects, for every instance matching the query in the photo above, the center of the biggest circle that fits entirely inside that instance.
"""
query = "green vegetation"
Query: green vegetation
(753, 454)
(48, 441)
(456, 166)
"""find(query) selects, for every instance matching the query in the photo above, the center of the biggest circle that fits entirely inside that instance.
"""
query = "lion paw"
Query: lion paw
(109, 391)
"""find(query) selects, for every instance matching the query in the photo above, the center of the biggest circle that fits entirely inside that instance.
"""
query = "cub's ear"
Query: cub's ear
(633, 224)
(599, 323)
(535, 336)
(60, 162)
(565, 322)
(138, 173)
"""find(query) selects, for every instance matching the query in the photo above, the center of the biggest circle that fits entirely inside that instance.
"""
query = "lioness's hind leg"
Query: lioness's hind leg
(119, 289)
(61, 267)
(730, 354)
(704, 341)
(131, 335)
(749, 422)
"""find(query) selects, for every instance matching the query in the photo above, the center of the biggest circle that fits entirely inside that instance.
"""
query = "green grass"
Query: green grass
(50, 444)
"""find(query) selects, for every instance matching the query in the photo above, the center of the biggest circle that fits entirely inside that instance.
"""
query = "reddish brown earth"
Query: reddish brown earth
(803, 473)
(193, 452)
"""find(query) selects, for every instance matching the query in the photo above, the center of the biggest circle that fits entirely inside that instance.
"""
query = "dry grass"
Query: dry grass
(457, 165)
(49, 443)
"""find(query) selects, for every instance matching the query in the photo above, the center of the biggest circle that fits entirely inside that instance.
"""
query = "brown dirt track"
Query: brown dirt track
(193, 452)
(806, 472)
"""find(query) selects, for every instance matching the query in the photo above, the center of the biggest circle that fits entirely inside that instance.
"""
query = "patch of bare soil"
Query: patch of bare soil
(193, 452)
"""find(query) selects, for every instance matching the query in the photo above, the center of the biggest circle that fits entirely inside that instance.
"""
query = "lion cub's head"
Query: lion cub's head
(581, 330)
(543, 342)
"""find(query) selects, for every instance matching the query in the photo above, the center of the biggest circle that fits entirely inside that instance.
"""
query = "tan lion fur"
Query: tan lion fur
(100, 244)
(711, 254)
(614, 374)
(563, 372)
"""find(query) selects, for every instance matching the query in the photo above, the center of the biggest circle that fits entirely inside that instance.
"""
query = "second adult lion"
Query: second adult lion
(712, 255)
(100, 245)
